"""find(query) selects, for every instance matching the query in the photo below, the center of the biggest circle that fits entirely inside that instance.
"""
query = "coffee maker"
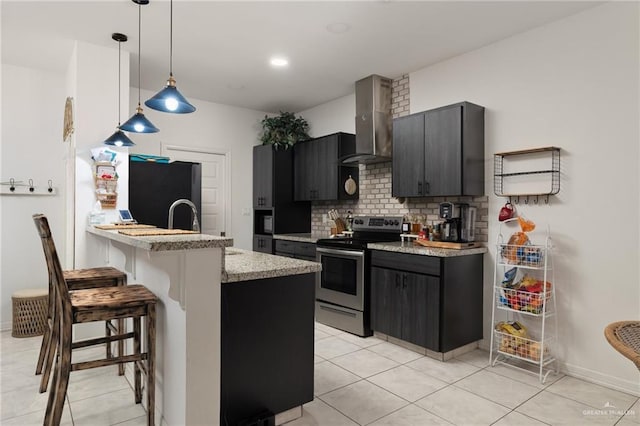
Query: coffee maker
(460, 222)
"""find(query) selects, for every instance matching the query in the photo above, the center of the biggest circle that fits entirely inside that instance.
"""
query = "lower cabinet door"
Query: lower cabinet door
(263, 244)
(421, 310)
(386, 300)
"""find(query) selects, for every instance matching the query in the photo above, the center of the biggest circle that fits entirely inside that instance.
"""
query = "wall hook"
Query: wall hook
(536, 200)
(31, 188)
(50, 189)
(12, 182)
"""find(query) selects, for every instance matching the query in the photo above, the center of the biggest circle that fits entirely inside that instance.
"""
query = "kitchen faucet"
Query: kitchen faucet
(196, 225)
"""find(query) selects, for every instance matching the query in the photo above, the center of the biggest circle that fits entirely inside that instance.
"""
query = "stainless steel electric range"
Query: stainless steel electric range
(343, 286)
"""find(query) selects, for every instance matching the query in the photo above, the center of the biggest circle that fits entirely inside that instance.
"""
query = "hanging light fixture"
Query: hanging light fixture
(119, 138)
(170, 99)
(138, 123)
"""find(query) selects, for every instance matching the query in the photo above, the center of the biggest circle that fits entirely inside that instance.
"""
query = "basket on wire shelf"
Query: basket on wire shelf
(106, 191)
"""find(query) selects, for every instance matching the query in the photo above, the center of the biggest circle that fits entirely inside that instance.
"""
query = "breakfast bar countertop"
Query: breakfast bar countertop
(245, 265)
(165, 242)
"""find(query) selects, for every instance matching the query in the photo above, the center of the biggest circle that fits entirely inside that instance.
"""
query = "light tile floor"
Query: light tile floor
(357, 382)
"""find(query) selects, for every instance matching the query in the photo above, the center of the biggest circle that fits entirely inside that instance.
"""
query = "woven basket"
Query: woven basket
(30, 309)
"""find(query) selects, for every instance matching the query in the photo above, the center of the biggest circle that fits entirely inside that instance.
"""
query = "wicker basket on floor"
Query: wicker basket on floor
(30, 308)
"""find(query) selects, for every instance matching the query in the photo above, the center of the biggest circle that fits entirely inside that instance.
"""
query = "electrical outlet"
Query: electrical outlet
(326, 218)
(246, 212)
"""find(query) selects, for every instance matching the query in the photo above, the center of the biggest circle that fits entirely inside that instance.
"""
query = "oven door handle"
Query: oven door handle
(344, 253)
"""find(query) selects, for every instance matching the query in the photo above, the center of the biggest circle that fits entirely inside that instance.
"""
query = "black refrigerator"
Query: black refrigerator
(154, 186)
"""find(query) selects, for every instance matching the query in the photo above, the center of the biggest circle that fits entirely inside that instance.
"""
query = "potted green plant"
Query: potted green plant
(284, 130)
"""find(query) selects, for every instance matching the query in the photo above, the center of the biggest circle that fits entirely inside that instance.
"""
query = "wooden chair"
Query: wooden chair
(624, 336)
(96, 304)
(78, 279)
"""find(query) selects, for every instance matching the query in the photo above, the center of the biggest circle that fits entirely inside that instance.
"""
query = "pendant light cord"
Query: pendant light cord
(139, 44)
(171, 38)
(119, 86)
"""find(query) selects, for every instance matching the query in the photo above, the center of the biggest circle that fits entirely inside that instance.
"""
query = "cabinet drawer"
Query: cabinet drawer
(284, 246)
(306, 250)
(406, 262)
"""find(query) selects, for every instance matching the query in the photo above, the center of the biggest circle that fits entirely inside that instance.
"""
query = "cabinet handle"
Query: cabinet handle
(397, 280)
(419, 188)
(427, 188)
(404, 280)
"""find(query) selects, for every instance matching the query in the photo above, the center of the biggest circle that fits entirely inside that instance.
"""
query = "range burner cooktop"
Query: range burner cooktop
(367, 229)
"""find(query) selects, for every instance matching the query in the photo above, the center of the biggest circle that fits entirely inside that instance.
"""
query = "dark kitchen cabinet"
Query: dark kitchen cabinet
(263, 159)
(295, 249)
(274, 210)
(263, 243)
(266, 347)
(400, 300)
(318, 170)
(433, 302)
(439, 152)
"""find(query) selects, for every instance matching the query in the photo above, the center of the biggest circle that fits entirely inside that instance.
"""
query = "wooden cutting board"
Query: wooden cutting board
(155, 231)
(112, 226)
(447, 245)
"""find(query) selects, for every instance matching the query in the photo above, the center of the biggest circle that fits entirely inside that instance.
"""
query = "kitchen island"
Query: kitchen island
(187, 273)
(267, 336)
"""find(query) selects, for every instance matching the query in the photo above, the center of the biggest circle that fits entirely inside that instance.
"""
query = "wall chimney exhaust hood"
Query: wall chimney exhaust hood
(373, 121)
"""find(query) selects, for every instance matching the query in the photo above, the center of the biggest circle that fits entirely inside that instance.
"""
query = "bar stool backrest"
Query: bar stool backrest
(57, 282)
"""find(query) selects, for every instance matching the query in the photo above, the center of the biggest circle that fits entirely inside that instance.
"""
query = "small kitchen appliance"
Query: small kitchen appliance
(267, 224)
(460, 222)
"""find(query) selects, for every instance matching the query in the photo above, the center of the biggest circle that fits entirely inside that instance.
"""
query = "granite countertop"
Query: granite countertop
(304, 238)
(410, 248)
(245, 265)
(165, 242)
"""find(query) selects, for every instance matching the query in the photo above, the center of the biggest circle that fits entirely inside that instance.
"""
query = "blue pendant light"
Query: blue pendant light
(119, 138)
(138, 123)
(170, 99)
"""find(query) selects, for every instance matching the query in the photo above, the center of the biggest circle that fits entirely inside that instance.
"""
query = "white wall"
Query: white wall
(31, 148)
(331, 117)
(572, 84)
(95, 69)
(215, 127)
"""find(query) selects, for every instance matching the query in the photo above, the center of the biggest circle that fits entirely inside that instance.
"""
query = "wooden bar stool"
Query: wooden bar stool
(97, 304)
(78, 279)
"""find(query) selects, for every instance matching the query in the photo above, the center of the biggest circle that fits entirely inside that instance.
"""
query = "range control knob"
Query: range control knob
(386, 222)
(395, 222)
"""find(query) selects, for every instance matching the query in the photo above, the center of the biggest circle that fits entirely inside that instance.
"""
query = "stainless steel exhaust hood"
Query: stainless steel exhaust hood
(373, 121)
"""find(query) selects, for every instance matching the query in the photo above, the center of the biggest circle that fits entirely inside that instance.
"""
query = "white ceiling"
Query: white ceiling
(222, 49)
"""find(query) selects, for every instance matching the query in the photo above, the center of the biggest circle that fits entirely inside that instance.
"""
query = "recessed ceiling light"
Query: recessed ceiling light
(338, 27)
(279, 61)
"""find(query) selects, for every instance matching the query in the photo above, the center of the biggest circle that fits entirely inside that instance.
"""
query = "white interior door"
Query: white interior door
(214, 185)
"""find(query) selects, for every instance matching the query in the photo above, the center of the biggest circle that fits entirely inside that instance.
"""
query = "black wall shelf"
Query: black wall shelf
(554, 173)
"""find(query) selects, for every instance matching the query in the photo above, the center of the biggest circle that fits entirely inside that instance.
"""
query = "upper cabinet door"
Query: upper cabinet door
(408, 156)
(326, 162)
(318, 173)
(262, 176)
(301, 172)
(443, 151)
